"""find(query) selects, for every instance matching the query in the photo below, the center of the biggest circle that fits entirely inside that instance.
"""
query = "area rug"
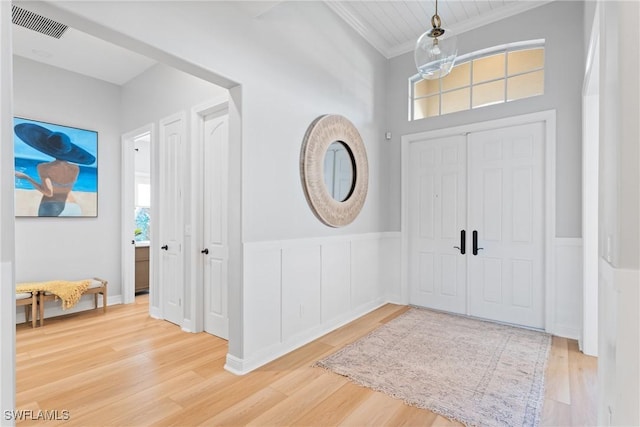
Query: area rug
(478, 373)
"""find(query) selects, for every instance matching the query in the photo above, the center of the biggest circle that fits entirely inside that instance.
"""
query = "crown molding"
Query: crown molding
(371, 36)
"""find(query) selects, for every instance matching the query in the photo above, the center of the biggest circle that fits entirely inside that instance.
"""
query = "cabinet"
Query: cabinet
(142, 268)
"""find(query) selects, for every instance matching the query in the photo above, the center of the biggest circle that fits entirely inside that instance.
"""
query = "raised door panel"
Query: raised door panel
(437, 215)
(215, 274)
(506, 185)
(170, 216)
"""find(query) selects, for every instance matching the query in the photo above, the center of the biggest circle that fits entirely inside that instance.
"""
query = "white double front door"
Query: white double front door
(476, 224)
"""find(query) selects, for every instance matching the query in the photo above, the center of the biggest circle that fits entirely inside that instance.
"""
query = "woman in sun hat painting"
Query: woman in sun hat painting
(58, 176)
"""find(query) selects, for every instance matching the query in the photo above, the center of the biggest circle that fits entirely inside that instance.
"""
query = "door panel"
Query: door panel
(170, 216)
(506, 184)
(503, 181)
(216, 319)
(437, 214)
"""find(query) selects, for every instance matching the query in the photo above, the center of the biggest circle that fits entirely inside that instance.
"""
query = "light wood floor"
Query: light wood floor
(124, 368)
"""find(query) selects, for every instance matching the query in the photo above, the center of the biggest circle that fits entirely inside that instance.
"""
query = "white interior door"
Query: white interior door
(500, 174)
(170, 216)
(506, 193)
(437, 215)
(216, 249)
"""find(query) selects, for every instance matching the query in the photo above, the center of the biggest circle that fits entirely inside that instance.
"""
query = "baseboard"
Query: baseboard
(395, 299)
(54, 308)
(186, 326)
(155, 313)
(567, 332)
(239, 366)
(235, 365)
(111, 300)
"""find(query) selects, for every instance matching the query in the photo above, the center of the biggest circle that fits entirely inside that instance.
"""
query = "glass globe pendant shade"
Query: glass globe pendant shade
(435, 52)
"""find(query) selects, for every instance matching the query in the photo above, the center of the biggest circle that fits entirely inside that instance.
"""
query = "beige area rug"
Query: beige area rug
(478, 373)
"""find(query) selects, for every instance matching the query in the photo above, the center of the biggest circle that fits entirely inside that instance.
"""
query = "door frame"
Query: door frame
(548, 117)
(590, 199)
(198, 114)
(128, 205)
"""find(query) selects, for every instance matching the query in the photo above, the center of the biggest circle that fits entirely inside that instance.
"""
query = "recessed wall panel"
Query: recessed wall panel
(336, 279)
(300, 289)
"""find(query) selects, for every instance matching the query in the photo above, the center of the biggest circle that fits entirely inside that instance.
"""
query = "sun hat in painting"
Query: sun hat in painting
(55, 144)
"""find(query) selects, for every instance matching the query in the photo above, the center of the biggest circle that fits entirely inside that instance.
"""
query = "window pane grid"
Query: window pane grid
(461, 90)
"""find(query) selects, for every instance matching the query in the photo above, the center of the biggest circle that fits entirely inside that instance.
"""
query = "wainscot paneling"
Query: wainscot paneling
(298, 290)
(567, 315)
(336, 283)
(618, 295)
(262, 297)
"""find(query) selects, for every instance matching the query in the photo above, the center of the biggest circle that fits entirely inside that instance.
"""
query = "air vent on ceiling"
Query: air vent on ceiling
(36, 22)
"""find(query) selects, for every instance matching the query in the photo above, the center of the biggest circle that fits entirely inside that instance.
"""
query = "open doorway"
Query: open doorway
(142, 211)
(108, 228)
(137, 212)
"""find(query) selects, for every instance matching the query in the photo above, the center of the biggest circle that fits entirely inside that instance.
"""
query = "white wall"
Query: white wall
(619, 282)
(561, 24)
(7, 253)
(161, 91)
(294, 62)
(65, 248)
(589, 13)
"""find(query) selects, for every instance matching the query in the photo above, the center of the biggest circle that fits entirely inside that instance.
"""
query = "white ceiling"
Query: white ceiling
(81, 53)
(391, 26)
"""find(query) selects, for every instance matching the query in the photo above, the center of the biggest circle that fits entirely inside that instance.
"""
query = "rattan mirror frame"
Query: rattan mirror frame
(322, 132)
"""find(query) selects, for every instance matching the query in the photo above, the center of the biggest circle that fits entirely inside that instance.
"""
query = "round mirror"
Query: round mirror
(338, 171)
(334, 170)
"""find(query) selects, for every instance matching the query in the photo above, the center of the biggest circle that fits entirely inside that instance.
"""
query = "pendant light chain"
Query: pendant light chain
(435, 51)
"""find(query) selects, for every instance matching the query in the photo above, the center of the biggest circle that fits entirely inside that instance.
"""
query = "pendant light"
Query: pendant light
(436, 50)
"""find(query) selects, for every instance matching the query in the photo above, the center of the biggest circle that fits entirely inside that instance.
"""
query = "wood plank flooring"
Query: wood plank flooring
(126, 369)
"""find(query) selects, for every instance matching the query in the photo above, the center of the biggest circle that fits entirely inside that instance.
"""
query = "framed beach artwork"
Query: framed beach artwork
(56, 170)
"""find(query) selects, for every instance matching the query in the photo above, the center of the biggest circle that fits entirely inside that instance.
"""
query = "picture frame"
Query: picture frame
(56, 170)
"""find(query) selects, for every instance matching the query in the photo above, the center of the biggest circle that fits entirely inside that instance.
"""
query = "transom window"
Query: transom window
(487, 77)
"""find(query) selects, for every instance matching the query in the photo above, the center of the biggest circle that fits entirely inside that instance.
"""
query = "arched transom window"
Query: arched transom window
(487, 77)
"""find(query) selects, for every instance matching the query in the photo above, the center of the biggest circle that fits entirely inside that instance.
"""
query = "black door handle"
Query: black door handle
(475, 243)
(463, 242)
(165, 247)
(205, 251)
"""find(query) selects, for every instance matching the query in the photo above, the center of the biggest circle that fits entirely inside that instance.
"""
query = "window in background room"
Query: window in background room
(143, 204)
(487, 77)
